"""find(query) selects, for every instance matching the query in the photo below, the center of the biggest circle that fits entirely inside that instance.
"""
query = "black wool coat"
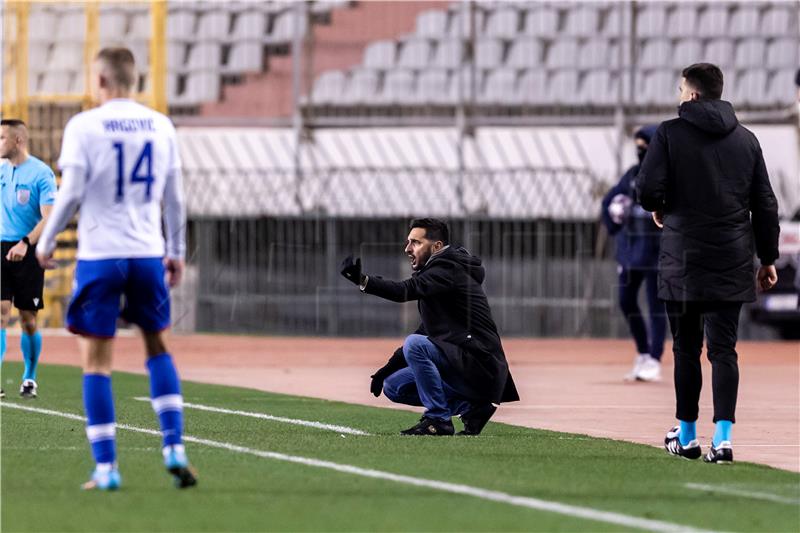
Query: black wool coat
(706, 173)
(457, 319)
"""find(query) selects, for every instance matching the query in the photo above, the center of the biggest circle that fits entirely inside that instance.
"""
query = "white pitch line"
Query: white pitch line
(573, 511)
(743, 493)
(263, 416)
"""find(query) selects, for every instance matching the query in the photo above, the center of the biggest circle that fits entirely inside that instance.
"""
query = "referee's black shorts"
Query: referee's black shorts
(22, 281)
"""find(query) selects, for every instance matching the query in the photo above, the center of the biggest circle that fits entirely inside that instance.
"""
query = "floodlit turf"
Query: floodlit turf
(45, 458)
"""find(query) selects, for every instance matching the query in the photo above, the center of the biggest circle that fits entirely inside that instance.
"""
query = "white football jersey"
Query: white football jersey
(128, 151)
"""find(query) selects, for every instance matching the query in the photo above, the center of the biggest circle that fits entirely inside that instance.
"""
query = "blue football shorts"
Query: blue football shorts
(105, 289)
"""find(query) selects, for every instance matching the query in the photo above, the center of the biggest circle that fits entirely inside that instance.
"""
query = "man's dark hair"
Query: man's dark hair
(706, 78)
(435, 229)
(12, 122)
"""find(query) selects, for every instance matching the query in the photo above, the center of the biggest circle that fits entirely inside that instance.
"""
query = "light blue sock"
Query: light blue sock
(688, 432)
(31, 348)
(2, 345)
(722, 432)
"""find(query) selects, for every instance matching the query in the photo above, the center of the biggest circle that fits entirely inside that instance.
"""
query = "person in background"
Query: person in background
(637, 243)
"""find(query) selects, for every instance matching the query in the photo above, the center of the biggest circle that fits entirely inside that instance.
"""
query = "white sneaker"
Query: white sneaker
(637, 364)
(649, 370)
(28, 389)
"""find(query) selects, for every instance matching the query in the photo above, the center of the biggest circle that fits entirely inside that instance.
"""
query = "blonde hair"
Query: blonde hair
(119, 66)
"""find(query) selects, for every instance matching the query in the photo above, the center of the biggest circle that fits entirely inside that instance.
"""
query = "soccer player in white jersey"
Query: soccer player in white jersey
(120, 163)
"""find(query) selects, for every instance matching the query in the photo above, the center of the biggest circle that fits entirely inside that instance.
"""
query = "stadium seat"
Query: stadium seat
(285, 26)
(781, 87)
(713, 22)
(745, 22)
(563, 54)
(362, 87)
(249, 25)
(597, 53)
(500, 88)
(658, 87)
(682, 22)
(433, 88)
(380, 55)
(398, 88)
(414, 54)
(582, 22)
(488, 53)
(541, 22)
(783, 53)
(656, 53)
(181, 26)
(38, 55)
(113, 25)
(779, 20)
(751, 88)
(44, 20)
(200, 87)
(563, 88)
(431, 24)
(58, 82)
(66, 56)
(720, 52)
(71, 26)
(503, 23)
(176, 56)
(597, 88)
(525, 52)
(460, 23)
(140, 26)
(245, 57)
(172, 87)
(448, 54)
(204, 56)
(651, 20)
(329, 87)
(617, 21)
(750, 53)
(463, 80)
(214, 25)
(141, 54)
(686, 52)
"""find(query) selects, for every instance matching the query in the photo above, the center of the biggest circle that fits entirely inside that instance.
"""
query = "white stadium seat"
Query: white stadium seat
(783, 53)
(431, 24)
(751, 88)
(686, 52)
(488, 53)
(286, 26)
(200, 87)
(460, 24)
(181, 26)
(214, 25)
(597, 53)
(750, 53)
(245, 57)
(398, 87)
(779, 20)
(582, 22)
(682, 22)
(500, 88)
(541, 22)
(204, 56)
(249, 25)
(433, 87)
(656, 53)
(329, 87)
(713, 21)
(720, 52)
(651, 20)
(449, 54)
(503, 23)
(380, 55)
(362, 87)
(563, 54)
(113, 25)
(415, 54)
(745, 22)
(525, 52)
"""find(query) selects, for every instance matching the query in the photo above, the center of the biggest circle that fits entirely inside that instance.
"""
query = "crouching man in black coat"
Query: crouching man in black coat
(454, 364)
(705, 179)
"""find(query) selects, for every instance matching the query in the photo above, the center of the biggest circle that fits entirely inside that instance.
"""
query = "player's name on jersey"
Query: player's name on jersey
(128, 125)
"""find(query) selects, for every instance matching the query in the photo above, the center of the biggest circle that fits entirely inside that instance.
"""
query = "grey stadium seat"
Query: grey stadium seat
(463, 77)
(532, 87)
(779, 20)
(682, 22)
(563, 54)
(449, 54)
(658, 87)
(563, 88)
(414, 54)
(656, 53)
(214, 24)
(783, 53)
(541, 22)
(751, 88)
(598, 88)
(362, 87)
(617, 21)
(582, 22)
(329, 88)
(431, 24)
(204, 56)
(500, 88)
(200, 87)
(285, 26)
(398, 87)
(245, 57)
(181, 26)
(651, 20)
(503, 23)
(750, 53)
(525, 52)
(687, 52)
(380, 55)
(713, 22)
(488, 53)
(459, 24)
(745, 22)
(249, 25)
(781, 87)
(433, 88)
(720, 52)
(597, 53)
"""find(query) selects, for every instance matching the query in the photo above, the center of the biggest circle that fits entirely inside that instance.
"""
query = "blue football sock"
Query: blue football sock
(722, 432)
(101, 426)
(31, 348)
(688, 432)
(2, 345)
(165, 395)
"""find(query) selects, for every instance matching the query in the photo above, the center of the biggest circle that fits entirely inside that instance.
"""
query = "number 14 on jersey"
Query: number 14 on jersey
(142, 171)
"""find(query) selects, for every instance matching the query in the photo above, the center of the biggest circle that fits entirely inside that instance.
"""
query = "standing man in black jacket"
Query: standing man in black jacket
(454, 364)
(705, 181)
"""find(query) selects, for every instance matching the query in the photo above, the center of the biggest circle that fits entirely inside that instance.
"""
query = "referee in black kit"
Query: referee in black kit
(705, 181)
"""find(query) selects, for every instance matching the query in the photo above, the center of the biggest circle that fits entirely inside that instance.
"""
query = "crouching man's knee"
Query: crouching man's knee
(414, 347)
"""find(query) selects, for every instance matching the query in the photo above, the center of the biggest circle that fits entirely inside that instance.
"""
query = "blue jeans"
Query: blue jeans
(421, 383)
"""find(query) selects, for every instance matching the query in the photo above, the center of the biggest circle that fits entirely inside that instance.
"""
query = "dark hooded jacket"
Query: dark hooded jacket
(705, 172)
(456, 317)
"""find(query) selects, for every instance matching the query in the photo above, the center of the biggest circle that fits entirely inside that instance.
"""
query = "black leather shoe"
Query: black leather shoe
(475, 420)
(431, 427)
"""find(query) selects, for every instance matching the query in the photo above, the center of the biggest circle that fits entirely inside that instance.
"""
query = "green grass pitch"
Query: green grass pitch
(45, 458)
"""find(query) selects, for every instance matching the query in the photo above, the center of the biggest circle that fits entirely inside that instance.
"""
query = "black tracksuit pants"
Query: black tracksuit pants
(720, 322)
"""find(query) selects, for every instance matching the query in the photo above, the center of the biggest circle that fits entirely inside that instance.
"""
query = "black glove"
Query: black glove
(352, 270)
(396, 362)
